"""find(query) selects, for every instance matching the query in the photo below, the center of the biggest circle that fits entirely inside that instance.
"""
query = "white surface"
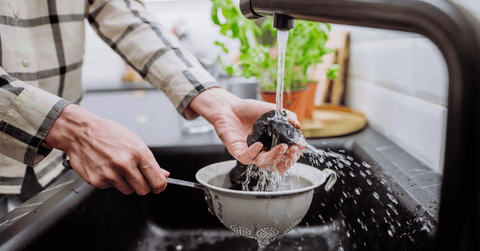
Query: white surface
(400, 81)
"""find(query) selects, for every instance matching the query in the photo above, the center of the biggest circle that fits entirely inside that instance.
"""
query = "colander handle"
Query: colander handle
(331, 178)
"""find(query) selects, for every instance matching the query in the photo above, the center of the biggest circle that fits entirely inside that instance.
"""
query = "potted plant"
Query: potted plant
(257, 56)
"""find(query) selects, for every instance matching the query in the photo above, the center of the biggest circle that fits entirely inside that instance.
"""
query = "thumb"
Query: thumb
(247, 155)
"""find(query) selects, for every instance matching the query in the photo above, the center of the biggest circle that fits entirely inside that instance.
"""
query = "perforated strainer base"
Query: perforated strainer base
(265, 233)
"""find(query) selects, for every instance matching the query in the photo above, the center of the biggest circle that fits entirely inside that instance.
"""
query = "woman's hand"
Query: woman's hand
(233, 119)
(106, 154)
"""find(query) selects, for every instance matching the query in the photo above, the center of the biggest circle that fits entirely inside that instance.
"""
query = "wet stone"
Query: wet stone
(269, 125)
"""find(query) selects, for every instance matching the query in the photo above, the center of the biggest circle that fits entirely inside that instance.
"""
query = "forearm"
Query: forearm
(152, 50)
(211, 103)
(74, 122)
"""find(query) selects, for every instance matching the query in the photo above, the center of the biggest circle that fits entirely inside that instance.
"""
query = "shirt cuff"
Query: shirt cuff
(27, 114)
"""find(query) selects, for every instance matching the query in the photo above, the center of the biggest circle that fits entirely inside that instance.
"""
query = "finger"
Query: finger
(250, 154)
(113, 178)
(272, 157)
(105, 186)
(155, 175)
(123, 186)
(137, 181)
(292, 118)
(291, 157)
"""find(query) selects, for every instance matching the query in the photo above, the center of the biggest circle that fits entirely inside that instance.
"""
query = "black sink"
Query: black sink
(375, 205)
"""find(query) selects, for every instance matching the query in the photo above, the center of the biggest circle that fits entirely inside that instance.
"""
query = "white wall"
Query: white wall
(400, 81)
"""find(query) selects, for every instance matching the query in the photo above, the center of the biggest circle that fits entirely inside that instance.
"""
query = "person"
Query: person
(41, 117)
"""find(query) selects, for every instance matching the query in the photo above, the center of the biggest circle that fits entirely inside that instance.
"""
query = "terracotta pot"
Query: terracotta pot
(310, 101)
(294, 102)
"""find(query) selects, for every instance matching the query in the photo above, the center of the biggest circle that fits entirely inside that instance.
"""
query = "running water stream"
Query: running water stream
(282, 37)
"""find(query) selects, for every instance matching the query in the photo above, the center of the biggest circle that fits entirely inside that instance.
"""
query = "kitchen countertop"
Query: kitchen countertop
(150, 114)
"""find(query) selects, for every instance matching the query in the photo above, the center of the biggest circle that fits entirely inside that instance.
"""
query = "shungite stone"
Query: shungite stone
(265, 127)
(238, 176)
(272, 123)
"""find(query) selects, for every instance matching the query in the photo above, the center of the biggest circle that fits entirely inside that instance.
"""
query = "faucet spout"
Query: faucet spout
(283, 22)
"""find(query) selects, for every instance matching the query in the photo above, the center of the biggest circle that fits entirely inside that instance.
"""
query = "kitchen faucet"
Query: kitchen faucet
(456, 32)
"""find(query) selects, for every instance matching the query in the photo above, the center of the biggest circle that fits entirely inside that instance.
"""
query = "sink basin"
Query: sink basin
(375, 205)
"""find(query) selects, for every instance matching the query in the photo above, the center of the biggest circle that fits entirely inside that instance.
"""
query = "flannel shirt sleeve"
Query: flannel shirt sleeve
(27, 114)
(149, 48)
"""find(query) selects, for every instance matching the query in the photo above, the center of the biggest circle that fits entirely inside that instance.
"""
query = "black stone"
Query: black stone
(271, 123)
(268, 124)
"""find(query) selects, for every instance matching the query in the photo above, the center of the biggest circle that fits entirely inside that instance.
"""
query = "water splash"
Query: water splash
(267, 179)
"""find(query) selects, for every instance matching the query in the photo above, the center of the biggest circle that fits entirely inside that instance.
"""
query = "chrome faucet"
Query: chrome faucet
(456, 32)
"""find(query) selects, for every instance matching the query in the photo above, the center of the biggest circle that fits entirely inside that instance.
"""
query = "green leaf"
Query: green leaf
(215, 16)
(305, 48)
(332, 71)
(224, 28)
(225, 49)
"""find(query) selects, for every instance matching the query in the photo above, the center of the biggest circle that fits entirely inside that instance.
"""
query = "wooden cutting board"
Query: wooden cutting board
(332, 91)
(331, 121)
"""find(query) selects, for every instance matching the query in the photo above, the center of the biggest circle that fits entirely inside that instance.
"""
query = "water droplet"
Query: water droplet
(392, 198)
(357, 191)
(390, 233)
(392, 208)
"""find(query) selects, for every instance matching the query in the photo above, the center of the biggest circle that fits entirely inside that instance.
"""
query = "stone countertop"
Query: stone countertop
(150, 114)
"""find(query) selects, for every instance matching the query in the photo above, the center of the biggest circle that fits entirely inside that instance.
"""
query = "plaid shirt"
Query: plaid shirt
(41, 56)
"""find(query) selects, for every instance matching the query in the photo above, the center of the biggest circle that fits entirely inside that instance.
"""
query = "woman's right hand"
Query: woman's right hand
(106, 154)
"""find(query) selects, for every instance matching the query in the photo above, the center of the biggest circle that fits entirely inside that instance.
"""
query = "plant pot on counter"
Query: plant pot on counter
(294, 101)
(310, 100)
